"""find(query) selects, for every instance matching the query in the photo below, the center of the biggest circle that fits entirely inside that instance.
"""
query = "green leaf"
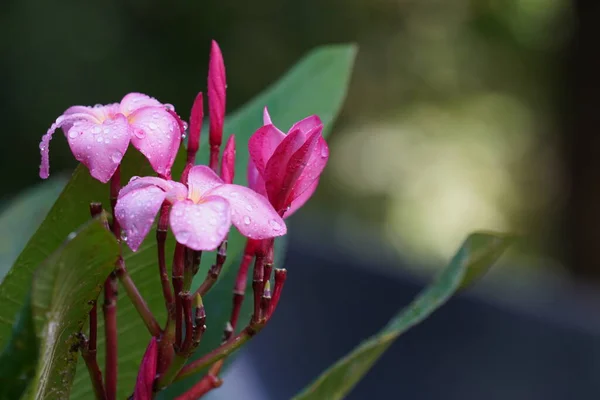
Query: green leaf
(477, 253)
(23, 215)
(316, 85)
(62, 293)
(18, 360)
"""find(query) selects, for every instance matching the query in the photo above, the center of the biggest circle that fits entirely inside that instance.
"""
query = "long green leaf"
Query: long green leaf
(63, 290)
(477, 253)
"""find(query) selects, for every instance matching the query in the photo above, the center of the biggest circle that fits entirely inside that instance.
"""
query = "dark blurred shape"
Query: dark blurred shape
(582, 140)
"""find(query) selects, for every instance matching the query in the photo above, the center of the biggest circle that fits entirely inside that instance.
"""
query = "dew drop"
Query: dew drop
(71, 236)
(97, 105)
(183, 237)
(275, 225)
(133, 178)
(185, 125)
(139, 133)
(247, 220)
(169, 107)
(116, 156)
(124, 236)
(73, 134)
(249, 208)
(106, 130)
(152, 125)
(42, 147)
(324, 152)
(212, 221)
(234, 194)
(96, 129)
(183, 135)
(99, 139)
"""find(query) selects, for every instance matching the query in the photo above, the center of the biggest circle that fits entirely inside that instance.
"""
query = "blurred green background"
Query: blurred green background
(455, 119)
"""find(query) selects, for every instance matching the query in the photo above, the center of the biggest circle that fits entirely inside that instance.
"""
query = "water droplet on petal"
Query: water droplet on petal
(106, 130)
(234, 194)
(169, 107)
(124, 236)
(183, 135)
(324, 152)
(139, 133)
(71, 236)
(133, 178)
(96, 129)
(116, 157)
(42, 147)
(183, 237)
(275, 225)
(247, 220)
(99, 139)
(185, 125)
(249, 208)
(152, 125)
(73, 134)
(97, 105)
(106, 140)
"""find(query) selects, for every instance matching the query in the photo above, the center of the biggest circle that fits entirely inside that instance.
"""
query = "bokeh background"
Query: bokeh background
(461, 115)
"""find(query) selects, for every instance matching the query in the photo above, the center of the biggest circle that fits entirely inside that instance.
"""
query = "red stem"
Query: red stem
(93, 328)
(206, 384)
(258, 285)
(214, 157)
(178, 264)
(189, 326)
(280, 277)
(161, 238)
(110, 332)
(240, 285)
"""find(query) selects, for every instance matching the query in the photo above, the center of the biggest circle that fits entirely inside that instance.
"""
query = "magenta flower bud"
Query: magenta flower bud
(201, 214)
(99, 135)
(196, 117)
(286, 167)
(228, 161)
(216, 101)
(146, 373)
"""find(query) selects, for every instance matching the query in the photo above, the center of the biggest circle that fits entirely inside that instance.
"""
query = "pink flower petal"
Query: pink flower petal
(251, 213)
(278, 187)
(216, 94)
(175, 190)
(201, 226)
(314, 167)
(157, 135)
(65, 122)
(136, 210)
(262, 145)
(147, 373)
(201, 179)
(266, 117)
(228, 161)
(134, 101)
(301, 199)
(100, 147)
(307, 124)
(255, 181)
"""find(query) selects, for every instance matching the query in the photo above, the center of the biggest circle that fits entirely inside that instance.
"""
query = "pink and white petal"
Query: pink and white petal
(134, 101)
(136, 211)
(251, 213)
(313, 169)
(307, 124)
(277, 168)
(201, 226)
(262, 145)
(202, 179)
(255, 181)
(96, 114)
(100, 147)
(174, 190)
(156, 134)
(64, 122)
(302, 199)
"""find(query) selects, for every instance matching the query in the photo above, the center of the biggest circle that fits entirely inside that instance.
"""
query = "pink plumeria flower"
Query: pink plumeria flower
(99, 135)
(200, 216)
(286, 167)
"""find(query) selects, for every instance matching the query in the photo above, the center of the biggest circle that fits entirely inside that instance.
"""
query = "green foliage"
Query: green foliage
(478, 252)
(55, 310)
(316, 85)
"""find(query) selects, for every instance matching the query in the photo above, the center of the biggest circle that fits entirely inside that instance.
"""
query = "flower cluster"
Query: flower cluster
(283, 172)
